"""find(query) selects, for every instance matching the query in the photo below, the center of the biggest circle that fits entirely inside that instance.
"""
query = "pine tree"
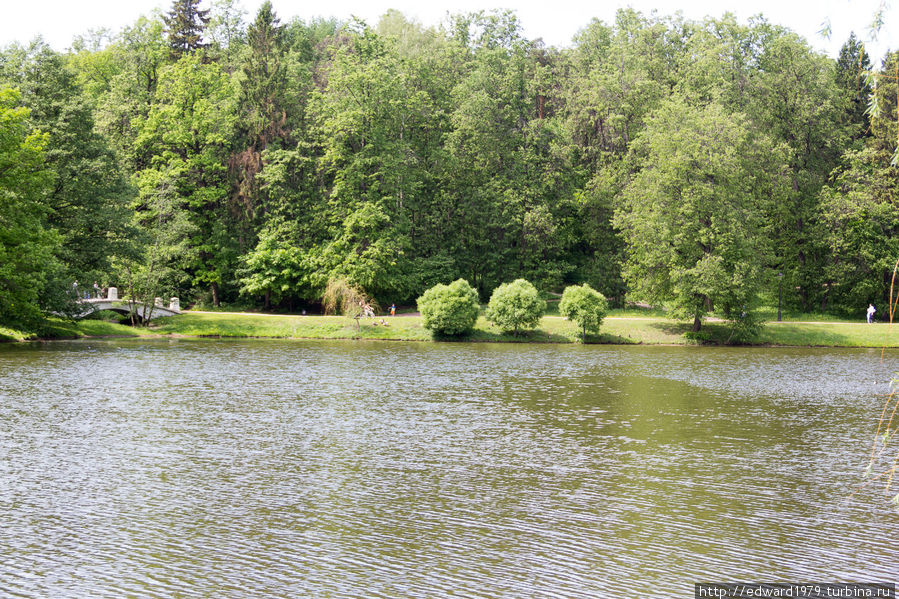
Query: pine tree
(185, 24)
(263, 114)
(851, 69)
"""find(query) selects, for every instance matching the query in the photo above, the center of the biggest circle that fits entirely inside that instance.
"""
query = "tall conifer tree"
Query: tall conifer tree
(185, 24)
(262, 99)
(851, 69)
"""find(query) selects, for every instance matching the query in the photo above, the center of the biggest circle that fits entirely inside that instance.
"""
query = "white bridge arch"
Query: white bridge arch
(143, 311)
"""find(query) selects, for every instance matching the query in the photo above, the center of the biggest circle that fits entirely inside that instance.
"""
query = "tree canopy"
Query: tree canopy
(658, 159)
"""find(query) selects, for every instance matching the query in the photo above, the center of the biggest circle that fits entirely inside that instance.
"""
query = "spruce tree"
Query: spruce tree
(262, 104)
(185, 24)
(851, 69)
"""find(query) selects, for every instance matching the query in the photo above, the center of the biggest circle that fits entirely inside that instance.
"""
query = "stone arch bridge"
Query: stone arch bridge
(144, 311)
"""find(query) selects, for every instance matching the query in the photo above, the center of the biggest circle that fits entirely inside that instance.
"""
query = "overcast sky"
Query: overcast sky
(58, 21)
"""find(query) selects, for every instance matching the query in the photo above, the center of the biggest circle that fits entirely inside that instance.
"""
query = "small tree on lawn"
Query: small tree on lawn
(449, 309)
(584, 306)
(342, 296)
(515, 307)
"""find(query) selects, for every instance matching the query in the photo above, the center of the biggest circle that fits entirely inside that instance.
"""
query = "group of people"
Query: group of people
(88, 292)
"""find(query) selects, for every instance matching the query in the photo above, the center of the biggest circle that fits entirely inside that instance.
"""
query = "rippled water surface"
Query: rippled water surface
(317, 469)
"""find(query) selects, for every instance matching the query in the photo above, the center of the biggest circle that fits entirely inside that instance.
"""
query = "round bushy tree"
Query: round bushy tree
(515, 307)
(584, 306)
(449, 309)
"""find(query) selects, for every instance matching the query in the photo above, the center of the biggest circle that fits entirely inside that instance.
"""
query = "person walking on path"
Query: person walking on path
(392, 309)
(871, 311)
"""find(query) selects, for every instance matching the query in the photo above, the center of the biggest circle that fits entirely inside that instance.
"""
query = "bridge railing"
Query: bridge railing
(112, 295)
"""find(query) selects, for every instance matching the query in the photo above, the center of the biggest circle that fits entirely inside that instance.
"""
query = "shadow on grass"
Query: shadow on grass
(711, 333)
(672, 327)
(806, 335)
(609, 339)
(534, 336)
(721, 333)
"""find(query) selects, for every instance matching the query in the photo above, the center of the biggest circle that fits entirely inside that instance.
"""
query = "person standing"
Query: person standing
(871, 311)
(392, 309)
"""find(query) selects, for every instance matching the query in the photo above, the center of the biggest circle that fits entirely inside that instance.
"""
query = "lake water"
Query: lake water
(350, 469)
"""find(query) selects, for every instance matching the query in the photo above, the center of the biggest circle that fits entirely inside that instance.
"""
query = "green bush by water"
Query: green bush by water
(449, 310)
(584, 306)
(515, 307)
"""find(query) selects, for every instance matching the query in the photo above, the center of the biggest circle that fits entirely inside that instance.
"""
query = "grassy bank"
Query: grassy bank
(631, 327)
(61, 329)
(624, 328)
(553, 329)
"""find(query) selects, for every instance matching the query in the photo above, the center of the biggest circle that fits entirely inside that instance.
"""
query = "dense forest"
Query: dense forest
(228, 158)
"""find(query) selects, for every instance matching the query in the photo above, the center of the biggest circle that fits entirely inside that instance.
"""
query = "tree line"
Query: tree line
(698, 165)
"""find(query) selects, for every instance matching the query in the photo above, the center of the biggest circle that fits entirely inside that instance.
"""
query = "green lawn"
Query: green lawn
(281, 326)
(61, 329)
(831, 334)
(621, 327)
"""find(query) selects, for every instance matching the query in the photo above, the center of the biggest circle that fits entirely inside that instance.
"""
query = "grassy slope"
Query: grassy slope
(831, 334)
(61, 329)
(623, 329)
(616, 329)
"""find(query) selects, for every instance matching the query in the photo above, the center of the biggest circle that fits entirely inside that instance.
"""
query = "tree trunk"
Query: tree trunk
(215, 294)
(697, 324)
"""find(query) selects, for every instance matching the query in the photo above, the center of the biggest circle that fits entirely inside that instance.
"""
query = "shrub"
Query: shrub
(744, 327)
(515, 307)
(449, 309)
(584, 306)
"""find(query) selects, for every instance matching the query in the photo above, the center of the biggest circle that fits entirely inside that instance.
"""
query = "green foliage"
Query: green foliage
(585, 306)
(859, 212)
(669, 160)
(515, 307)
(262, 106)
(183, 143)
(449, 309)
(744, 327)
(796, 101)
(342, 296)
(693, 215)
(851, 74)
(27, 249)
(87, 203)
(226, 29)
(275, 268)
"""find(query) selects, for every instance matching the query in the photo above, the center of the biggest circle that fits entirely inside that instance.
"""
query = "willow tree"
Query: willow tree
(342, 296)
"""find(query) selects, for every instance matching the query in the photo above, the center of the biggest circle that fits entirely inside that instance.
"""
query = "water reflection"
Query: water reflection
(419, 470)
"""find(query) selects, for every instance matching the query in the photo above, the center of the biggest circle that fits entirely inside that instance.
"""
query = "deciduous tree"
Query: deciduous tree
(693, 213)
(27, 248)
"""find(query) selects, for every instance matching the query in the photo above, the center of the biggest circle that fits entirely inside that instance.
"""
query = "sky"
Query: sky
(557, 21)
